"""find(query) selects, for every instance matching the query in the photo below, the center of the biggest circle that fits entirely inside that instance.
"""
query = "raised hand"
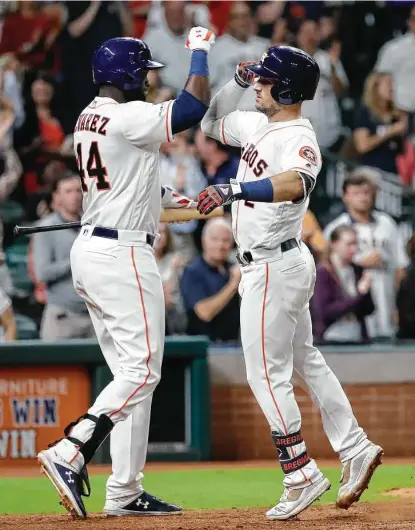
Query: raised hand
(200, 39)
(244, 77)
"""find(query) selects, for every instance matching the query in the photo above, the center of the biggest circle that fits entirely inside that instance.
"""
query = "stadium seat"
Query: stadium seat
(11, 212)
(26, 328)
(16, 256)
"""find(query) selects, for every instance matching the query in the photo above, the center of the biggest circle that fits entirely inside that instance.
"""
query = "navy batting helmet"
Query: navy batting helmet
(294, 74)
(121, 61)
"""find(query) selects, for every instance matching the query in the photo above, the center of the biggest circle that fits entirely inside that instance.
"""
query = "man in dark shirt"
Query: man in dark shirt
(88, 25)
(209, 286)
(218, 163)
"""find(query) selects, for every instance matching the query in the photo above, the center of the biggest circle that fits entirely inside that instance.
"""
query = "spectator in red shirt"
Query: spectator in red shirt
(30, 35)
(139, 10)
(219, 14)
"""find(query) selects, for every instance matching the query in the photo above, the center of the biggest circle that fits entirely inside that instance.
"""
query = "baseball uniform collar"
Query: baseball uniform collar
(100, 99)
(283, 124)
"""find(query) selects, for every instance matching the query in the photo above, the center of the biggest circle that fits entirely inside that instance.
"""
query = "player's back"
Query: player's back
(117, 148)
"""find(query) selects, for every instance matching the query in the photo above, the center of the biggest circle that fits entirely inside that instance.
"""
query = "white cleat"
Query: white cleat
(294, 501)
(66, 480)
(356, 475)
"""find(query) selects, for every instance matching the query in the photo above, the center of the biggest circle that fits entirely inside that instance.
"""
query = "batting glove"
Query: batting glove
(218, 195)
(170, 198)
(243, 77)
(200, 39)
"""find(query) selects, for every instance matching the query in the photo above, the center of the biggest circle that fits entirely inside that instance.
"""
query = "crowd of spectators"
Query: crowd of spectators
(363, 110)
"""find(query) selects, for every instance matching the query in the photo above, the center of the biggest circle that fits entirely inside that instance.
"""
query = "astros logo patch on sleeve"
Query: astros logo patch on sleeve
(309, 154)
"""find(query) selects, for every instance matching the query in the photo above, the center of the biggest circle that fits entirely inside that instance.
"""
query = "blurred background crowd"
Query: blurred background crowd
(363, 115)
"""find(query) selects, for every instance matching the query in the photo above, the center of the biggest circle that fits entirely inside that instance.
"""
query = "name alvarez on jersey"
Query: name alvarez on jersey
(89, 121)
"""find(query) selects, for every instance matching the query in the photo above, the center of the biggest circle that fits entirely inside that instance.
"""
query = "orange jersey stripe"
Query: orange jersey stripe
(147, 337)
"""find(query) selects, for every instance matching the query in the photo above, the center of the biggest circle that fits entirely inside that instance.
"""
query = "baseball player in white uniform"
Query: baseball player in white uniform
(117, 139)
(278, 170)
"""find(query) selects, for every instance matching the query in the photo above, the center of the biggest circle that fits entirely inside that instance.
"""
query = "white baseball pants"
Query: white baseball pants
(121, 286)
(277, 342)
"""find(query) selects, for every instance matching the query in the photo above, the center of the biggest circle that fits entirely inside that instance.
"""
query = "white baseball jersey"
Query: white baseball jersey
(269, 149)
(382, 234)
(117, 149)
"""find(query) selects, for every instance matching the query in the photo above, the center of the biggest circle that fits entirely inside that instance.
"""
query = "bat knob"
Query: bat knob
(16, 231)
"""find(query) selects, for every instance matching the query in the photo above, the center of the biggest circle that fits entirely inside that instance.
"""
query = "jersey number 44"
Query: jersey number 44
(94, 168)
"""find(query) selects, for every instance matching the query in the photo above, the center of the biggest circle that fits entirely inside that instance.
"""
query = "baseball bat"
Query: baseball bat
(168, 215)
(26, 230)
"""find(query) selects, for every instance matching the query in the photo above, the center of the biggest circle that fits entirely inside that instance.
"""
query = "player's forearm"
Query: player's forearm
(198, 82)
(223, 103)
(210, 123)
(228, 98)
(286, 186)
(192, 103)
(207, 309)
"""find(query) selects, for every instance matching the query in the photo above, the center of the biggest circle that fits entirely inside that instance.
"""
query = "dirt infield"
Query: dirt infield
(398, 515)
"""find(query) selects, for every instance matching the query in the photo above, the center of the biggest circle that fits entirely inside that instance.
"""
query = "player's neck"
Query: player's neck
(112, 92)
(360, 217)
(285, 115)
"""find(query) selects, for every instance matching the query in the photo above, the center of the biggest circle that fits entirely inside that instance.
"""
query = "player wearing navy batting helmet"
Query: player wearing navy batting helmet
(293, 73)
(117, 140)
(124, 62)
(278, 170)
